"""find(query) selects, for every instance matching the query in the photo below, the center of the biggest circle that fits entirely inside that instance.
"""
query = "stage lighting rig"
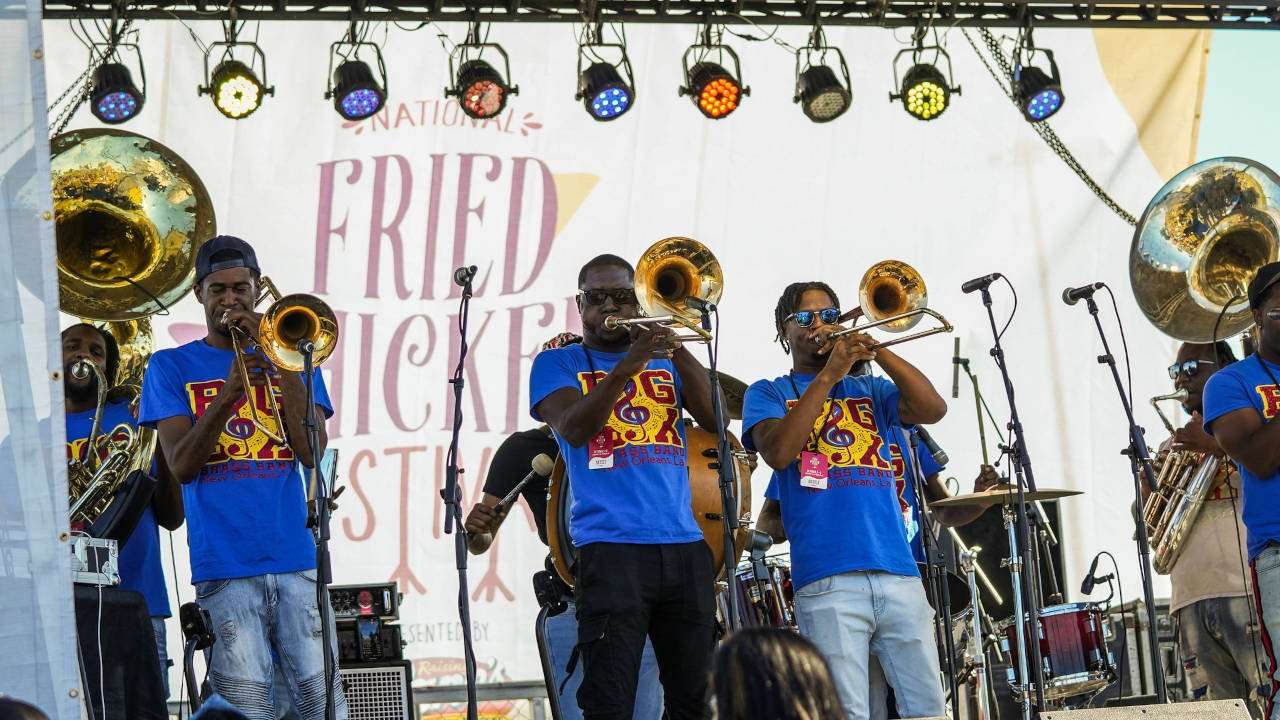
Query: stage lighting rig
(714, 89)
(113, 97)
(236, 90)
(607, 90)
(1038, 93)
(820, 92)
(481, 90)
(356, 93)
(924, 90)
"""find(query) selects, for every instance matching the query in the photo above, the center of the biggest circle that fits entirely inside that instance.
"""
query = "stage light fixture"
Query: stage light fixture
(1038, 93)
(607, 89)
(481, 90)
(925, 92)
(235, 89)
(115, 98)
(355, 91)
(820, 92)
(714, 89)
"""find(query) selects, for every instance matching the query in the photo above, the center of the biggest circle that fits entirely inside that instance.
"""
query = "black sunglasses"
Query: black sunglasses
(804, 318)
(621, 296)
(1190, 367)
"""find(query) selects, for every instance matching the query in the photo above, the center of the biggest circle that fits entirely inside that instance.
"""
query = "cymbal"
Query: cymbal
(735, 394)
(1002, 494)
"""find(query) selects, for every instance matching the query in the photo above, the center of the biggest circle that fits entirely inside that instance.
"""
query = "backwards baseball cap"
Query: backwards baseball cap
(1262, 281)
(223, 252)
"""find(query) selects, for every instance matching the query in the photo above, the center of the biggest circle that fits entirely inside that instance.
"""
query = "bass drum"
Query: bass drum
(704, 484)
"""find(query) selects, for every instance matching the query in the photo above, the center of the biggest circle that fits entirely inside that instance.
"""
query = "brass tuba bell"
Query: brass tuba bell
(130, 215)
(1199, 243)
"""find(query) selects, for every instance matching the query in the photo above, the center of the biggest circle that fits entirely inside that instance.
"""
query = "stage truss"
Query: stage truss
(886, 13)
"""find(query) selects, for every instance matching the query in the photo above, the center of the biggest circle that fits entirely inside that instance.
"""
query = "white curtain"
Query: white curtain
(37, 619)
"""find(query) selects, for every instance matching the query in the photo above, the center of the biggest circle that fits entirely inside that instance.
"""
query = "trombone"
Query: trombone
(1179, 395)
(892, 296)
(291, 324)
(671, 273)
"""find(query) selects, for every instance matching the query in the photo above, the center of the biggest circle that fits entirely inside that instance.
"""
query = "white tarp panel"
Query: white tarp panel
(37, 621)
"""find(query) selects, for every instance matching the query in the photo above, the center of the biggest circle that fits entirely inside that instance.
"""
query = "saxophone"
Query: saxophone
(1183, 480)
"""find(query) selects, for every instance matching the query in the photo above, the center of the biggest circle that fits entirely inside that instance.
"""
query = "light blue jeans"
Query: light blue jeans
(562, 635)
(1266, 578)
(254, 616)
(852, 615)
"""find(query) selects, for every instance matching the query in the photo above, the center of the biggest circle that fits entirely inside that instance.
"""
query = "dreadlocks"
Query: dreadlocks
(788, 302)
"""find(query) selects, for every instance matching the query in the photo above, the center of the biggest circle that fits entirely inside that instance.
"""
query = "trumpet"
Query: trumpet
(892, 296)
(1179, 395)
(293, 326)
(673, 277)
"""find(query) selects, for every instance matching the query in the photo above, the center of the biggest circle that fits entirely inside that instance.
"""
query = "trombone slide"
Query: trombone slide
(676, 322)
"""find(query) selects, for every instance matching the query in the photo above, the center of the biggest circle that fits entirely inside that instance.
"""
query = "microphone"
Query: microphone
(699, 304)
(979, 283)
(1086, 587)
(955, 371)
(1071, 296)
(540, 468)
(939, 455)
(464, 275)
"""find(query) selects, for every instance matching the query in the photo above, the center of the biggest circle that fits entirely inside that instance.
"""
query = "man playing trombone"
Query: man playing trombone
(826, 435)
(615, 404)
(230, 426)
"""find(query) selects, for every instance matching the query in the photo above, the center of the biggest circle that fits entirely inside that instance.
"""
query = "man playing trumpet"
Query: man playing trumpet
(826, 435)
(253, 562)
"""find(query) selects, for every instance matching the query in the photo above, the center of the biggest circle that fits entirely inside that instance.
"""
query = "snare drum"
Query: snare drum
(765, 596)
(1073, 646)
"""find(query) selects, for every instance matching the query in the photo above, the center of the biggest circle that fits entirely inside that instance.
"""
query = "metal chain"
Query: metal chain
(1043, 129)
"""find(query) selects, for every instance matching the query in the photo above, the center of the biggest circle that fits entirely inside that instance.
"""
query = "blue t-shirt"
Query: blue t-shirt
(246, 510)
(907, 504)
(856, 524)
(139, 561)
(1245, 384)
(644, 498)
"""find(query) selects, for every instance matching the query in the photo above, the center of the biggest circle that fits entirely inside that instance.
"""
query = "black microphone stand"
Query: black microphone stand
(320, 510)
(935, 568)
(452, 494)
(726, 467)
(1140, 461)
(1024, 478)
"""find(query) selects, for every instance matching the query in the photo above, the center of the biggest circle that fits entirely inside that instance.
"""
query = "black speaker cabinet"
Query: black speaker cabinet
(378, 691)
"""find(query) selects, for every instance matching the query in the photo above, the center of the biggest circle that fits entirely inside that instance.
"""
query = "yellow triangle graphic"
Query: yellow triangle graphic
(572, 190)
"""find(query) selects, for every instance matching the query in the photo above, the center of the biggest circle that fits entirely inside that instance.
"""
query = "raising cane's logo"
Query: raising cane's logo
(241, 439)
(647, 413)
(846, 432)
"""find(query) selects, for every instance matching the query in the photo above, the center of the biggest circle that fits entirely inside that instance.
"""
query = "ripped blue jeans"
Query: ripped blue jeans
(254, 616)
(1222, 652)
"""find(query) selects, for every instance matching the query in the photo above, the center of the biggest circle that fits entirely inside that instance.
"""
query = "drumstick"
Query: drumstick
(540, 467)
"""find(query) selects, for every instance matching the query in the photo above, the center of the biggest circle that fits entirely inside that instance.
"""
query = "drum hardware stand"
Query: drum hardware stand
(1139, 461)
(725, 464)
(969, 564)
(320, 510)
(452, 493)
(936, 569)
(1025, 480)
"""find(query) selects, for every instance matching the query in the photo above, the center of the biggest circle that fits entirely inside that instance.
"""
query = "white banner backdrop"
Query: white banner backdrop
(374, 216)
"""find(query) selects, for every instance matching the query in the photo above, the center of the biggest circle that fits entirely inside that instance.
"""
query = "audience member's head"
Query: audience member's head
(14, 709)
(768, 673)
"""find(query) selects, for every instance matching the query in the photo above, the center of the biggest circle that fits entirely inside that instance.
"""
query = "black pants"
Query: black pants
(626, 592)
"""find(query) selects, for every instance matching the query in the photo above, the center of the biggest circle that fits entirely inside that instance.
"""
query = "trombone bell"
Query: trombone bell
(893, 297)
(668, 274)
(292, 321)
